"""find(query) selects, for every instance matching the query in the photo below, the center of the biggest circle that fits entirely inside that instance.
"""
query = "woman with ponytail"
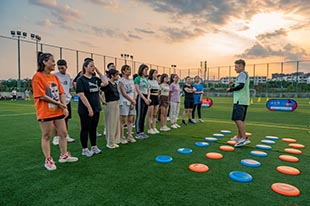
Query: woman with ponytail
(51, 109)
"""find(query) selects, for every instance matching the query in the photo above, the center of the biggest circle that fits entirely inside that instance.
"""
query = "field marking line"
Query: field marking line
(12, 115)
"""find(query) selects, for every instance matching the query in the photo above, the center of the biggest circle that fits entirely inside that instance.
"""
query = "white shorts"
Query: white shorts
(126, 111)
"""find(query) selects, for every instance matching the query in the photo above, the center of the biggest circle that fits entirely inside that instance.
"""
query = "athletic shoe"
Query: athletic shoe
(151, 131)
(98, 134)
(95, 150)
(168, 118)
(191, 121)
(145, 136)
(177, 125)
(56, 140)
(104, 131)
(184, 123)
(156, 130)
(49, 164)
(200, 120)
(69, 139)
(87, 153)
(165, 128)
(131, 139)
(124, 141)
(174, 126)
(235, 138)
(67, 158)
(243, 142)
(116, 145)
(139, 136)
(111, 146)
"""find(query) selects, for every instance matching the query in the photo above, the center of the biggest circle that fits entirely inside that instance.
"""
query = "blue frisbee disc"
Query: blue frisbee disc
(263, 147)
(272, 137)
(240, 176)
(163, 159)
(210, 139)
(258, 153)
(250, 163)
(267, 141)
(218, 135)
(225, 131)
(202, 144)
(184, 150)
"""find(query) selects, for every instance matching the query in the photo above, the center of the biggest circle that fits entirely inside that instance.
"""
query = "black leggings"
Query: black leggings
(198, 109)
(89, 127)
(141, 108)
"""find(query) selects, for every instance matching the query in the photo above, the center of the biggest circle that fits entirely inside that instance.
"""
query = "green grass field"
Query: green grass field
(130, 176)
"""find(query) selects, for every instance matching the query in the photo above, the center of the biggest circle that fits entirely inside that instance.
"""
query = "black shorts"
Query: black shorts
(69, 110)
(239, 112)
(51, 119)
(154, 100)
(188, 104)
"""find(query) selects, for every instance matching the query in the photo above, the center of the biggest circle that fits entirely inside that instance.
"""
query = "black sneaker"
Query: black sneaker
(191, 121)
(184, 123)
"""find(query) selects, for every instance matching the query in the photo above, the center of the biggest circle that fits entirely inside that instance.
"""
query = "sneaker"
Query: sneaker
(56, 140)
(95, 150)
(111, 146)
(69, 139)
(67, 158)
(243, 142)
(49, 164)
(200, 120)
(165, 128)
(145, 136)
(98, 134)
(177, 125)
(235, 138)
(156, 130)
(168, 118)
(116, 145)
(151, 131)
(131, 139)
(124, 141)
(191, 121)
(174, 126)
(184, 123)
(104, 131)
(87, 153)
(139, 136)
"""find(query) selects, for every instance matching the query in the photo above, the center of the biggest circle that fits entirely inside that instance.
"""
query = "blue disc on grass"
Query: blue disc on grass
(202, 144)
(225, 131)
(163, 159)
(267, 141)
(240, 176)
(258, 153)
(272, 137)
(210, 139)
(263, 147)
(218, 135)
(250, 163)
(184, 150)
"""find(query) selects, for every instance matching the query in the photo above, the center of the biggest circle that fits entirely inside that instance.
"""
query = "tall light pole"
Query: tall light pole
(174, 67)
(36, 38)
(127, 56)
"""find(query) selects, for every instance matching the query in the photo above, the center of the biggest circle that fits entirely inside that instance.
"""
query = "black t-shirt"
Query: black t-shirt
(188, 96)
(90, 88)
(110, 92)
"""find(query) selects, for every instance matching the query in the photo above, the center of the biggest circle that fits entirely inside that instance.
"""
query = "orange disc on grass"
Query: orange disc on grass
(214, 155)
(231, 142)
(198, 167)
(288, 170)
(288, 158)
(297, 146)
(248, 134)
(227, 148)
(288, 140)
(293, 151)
(285, 189)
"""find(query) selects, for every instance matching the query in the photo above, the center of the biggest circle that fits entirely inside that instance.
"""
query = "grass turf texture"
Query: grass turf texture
(130, 176)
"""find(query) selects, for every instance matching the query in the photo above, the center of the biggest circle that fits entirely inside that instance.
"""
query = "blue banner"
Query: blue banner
(287, 105)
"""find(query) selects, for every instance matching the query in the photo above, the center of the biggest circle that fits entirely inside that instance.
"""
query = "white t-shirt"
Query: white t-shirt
(66, 83)
(129, 88)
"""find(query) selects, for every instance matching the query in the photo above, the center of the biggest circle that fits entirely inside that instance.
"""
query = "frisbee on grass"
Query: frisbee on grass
(231, 142)
(218, 135)
(258, 153)
(272, 137)
(248, 134)
(184, 150)
(250, 163)
(289, 140)
(285, 189)
(227, 148)
(198, 167)
(225, 131)
(240, 176)
(292, 151)
(263, 147)
(266, 141)
(288, 158)
(163, 159)
(288, 170)
(214, 155)
(210, 139)
(202, 144)
(297, 146)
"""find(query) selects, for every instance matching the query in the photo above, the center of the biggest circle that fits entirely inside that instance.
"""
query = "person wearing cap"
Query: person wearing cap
(241, 101)
(66, 83)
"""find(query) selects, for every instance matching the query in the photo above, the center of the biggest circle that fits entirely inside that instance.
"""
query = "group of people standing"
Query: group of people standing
(127, 101)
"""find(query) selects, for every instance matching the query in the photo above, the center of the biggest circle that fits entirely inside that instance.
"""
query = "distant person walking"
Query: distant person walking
(51, 109)
(14, 94)
(197, 98)
(27, 94)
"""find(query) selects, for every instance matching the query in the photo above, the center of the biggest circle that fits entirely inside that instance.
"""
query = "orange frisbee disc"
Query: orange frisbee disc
(288, 158)
(198, 167)
(288, 170)
(248, 134)
(288, 140)
(293, 151)
(227, 148)
(297, 146)
(214, 155)
(285, 189)
(231, 142)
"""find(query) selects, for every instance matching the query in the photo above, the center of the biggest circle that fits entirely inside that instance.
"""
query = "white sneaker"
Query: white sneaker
(235, 138)
(116, 145)
(200, 120)
(104, 131)
(193, 120)
(177, 125)
(164, 128)
(56, 140)
(174, 126)
(131, 139)
(95, 150)
(111, 146)
(49, 164)
(98, 134)
(124, 141)
(168, 118)
(67, 158)
(156, 130)
(87, 153)
(151, 131)
(69, 139)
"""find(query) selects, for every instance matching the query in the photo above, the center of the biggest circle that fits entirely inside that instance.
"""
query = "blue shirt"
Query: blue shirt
(199, 88)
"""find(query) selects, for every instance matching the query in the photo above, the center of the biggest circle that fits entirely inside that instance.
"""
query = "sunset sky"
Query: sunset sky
(181, 32)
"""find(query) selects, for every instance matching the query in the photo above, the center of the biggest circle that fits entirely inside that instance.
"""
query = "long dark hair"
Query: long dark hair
(86, 63)
(163, 76)
(40, 60)
(152, 71)
(141, 68)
